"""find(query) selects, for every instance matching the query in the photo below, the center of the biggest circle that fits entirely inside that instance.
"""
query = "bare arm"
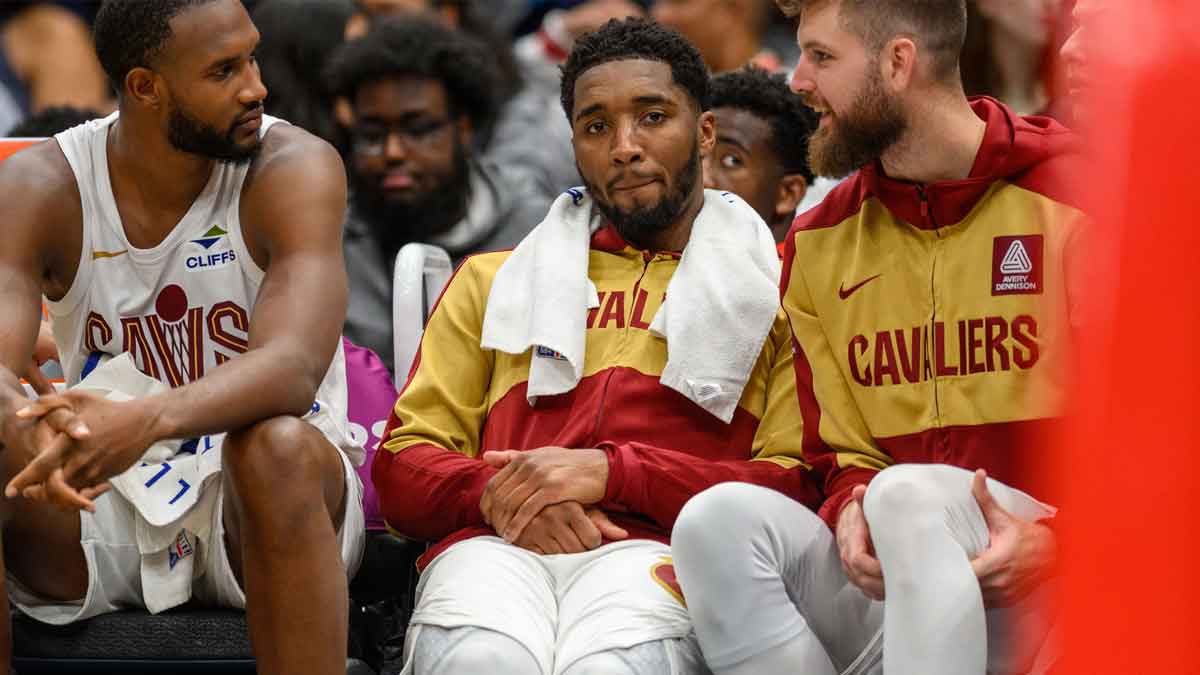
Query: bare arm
(292, 211)
(51, 50)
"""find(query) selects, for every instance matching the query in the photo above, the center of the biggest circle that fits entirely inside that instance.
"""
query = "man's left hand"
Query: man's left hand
(531, 480)
(1021, 553)
(115, 436)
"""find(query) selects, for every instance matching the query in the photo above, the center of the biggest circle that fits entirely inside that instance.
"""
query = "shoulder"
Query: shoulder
(842, 202)
(39, 182)
(1060, 159)
(296, 159)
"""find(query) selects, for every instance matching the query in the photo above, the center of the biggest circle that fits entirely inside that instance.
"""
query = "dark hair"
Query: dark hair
(940, 26)
(421, 47)
(636, 38)
(767, 96)
(52, 120)
(131, 33)
(298, 37)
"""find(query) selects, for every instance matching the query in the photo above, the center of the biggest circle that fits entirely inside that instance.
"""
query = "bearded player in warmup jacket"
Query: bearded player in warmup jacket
(581, 472)
(932, 302)
(197, 239)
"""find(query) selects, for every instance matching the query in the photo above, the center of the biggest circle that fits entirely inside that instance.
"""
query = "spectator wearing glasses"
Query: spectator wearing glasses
(419, 91)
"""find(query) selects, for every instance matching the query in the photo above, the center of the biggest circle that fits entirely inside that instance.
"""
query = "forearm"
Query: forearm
(656, 483)
(427, 492)
(255, 386)
(838, 487)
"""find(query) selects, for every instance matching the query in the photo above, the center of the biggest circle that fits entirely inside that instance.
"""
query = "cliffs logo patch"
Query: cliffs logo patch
(181, 549)
(211, 237)
(1017, 265)
(210, 259)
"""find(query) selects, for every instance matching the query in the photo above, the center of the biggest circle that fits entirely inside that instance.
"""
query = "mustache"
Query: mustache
(624, 177)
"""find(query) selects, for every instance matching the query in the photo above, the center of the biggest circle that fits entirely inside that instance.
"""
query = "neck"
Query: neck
(942, 140)
(735, 51)
(172, 179)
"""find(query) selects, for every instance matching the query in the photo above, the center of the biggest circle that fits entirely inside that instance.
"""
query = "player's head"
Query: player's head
(762, 143)
(189, 64)
(637, 97)
(417, 90)
(866, 64)
(708, 24)
(1080, 78)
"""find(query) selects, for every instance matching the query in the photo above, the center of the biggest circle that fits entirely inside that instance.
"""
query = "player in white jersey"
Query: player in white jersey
(183, 233)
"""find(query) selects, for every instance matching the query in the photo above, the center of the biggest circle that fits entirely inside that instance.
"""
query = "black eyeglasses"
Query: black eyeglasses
(370, 138)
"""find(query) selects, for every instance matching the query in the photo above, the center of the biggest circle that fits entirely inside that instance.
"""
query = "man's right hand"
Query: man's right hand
(29, 438)
(854, 546)
(566, 527)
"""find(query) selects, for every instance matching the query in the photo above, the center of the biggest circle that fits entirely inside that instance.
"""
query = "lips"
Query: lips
(250, 122)
(398, 180)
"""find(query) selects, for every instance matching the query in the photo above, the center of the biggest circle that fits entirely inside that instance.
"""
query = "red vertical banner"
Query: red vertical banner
(1131, 467)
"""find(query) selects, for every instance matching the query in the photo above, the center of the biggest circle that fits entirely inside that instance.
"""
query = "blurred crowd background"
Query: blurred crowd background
(448, 113)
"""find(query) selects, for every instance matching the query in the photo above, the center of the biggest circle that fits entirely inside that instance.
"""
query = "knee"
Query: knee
(279, 447)
(469, 650)
(719, 518)
(903, 495)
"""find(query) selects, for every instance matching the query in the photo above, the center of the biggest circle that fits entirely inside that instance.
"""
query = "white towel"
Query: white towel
(720, 304)
(541, 296)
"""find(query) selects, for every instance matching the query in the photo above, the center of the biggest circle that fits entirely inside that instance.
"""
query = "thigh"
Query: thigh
(615, 597)
(487, 583)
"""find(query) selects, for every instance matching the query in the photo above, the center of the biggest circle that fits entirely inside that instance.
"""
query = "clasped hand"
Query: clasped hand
(77, 441)
(539, 499)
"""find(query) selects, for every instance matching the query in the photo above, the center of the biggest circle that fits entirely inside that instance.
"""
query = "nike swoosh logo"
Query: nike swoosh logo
(99, 255)
(844, 292)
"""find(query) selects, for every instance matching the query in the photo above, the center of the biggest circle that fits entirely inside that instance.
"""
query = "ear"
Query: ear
(466, 130)
(452, 16)
(343, 112)
(144, 86)
(788, 195)
(706, 130)
(898, 64)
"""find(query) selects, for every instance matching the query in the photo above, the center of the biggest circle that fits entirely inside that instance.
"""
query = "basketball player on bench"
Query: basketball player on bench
(191, 232)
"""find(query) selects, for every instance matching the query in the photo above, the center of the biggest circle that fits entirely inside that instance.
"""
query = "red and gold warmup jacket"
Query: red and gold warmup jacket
(932, 322)
(462, 400)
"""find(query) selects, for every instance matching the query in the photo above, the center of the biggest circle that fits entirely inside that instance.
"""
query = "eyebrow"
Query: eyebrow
(809, 44)
(732, 141)
(593, 108)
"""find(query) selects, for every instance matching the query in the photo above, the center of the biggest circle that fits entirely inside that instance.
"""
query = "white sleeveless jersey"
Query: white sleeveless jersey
(181, 308)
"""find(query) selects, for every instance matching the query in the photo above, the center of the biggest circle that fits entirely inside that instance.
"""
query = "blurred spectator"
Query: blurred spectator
(728, 33)
(46, 59)
(761, 153)
(297, 38)
(51, 121)
(528, 138)
(418, 91)
(1010, 51)
(1079, 76)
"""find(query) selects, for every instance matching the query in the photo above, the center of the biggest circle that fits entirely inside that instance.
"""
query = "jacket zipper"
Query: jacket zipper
(927, 214)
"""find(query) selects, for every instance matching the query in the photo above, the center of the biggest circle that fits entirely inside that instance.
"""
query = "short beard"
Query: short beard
(395, 224)
(874, 123)
(641, 225)
(188, 134)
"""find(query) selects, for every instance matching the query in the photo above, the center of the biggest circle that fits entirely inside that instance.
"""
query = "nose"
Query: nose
(626, 148)
(394, 149)
(1072, 49)
(254, 90)
(801, 80)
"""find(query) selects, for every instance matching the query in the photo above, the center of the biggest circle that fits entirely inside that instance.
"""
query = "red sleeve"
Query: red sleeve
(426, 492)
(656, 483)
